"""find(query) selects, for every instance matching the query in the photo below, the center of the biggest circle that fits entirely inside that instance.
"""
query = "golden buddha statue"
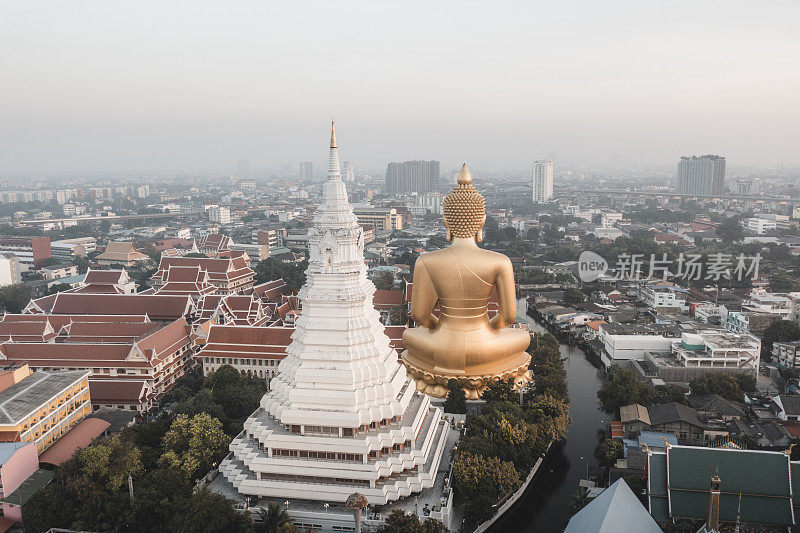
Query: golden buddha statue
(462, 343)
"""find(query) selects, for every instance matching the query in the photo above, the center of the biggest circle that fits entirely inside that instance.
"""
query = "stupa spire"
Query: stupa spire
(334, 172)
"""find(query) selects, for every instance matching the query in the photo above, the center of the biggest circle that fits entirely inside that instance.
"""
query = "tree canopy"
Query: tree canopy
(504, 440)
(730, 386)
(456, 401)
(164, 456)
(783, 282)
(730, 230)
(191, 444)
(293, 274)
(14, 298)
(400, 522)
(622, 387)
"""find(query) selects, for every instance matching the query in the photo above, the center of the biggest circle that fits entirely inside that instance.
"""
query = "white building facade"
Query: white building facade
(542, 181)
(9, 269)
(220, 214)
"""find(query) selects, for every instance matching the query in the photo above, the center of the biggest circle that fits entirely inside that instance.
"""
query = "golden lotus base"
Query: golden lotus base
(435, 384)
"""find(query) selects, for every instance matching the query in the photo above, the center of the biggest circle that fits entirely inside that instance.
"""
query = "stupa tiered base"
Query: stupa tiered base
(341, 416)
(435, 383)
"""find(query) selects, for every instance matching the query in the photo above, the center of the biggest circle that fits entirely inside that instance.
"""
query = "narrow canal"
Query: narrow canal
(544, 508)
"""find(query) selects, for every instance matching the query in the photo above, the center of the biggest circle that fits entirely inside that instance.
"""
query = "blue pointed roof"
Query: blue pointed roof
(616, 510)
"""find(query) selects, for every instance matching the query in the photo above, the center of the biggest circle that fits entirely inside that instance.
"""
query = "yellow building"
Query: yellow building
(41, 406)
(383, 218)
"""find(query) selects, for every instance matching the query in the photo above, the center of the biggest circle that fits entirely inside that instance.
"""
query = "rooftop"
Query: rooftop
(615, 510)
(8, 449)
(35, 482)
(20, 399)
(73, 440)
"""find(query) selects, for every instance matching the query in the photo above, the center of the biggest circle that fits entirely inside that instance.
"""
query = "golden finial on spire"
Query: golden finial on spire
(333, 136)
(464, 177)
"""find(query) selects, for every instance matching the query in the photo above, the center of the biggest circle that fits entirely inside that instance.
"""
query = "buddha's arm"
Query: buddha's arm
(423, 297)
(506, 295)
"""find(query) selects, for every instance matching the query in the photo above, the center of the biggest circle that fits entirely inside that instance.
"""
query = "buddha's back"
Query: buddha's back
(463, 274)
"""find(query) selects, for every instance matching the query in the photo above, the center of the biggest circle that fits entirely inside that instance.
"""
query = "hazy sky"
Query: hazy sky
(162, 86)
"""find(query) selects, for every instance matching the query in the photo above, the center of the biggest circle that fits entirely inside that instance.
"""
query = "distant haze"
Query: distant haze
(100, 86)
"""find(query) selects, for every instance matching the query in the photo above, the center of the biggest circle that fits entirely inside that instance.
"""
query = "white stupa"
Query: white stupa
(341, 416)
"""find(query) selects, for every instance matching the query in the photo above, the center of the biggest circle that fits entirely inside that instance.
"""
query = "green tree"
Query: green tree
(107, 465)
(580, 499)
(14, 298)
(192, 445)
(573, 295)
(400, 522)
(58, 287)
(508, 233)
(500, 391)
(668, 394)
(551, 418)
(456, 401)
(608, 451)
(725, 385)
(272, 519)
(51, 507)
(208, 512)
(549, 374)
(547, 340)
(637, 485)
(482, 481)
(48, 261)
(94, 479)
(747, 382)
(622, 387)
(82, 263)
(272, 268)
(783, 282)
(398, 315)
(383, 281)
(160, 495)
(730, 230)
(491, 230)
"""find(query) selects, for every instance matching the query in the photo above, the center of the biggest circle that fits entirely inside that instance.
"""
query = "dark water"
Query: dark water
(544, 508)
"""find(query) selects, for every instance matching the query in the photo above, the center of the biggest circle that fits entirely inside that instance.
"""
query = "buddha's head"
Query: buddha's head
(464, 209)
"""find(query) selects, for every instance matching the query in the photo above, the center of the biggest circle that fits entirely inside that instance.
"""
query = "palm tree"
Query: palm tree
(273, 519)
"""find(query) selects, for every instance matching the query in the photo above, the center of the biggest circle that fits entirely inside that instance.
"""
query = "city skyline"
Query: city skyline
(481, 87)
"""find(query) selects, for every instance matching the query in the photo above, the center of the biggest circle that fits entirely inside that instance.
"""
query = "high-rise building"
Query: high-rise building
(701, 175)
(542, 180)
(348, 172)
(306, 169)
(243, 167)
(412, 176)
(341, 415)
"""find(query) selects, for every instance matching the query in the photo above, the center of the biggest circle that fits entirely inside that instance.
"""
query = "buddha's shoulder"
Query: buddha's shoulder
(494, 256)
(446, 254)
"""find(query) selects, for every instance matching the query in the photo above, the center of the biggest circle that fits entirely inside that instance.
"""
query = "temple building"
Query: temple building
(227, 275)
(341, 416)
